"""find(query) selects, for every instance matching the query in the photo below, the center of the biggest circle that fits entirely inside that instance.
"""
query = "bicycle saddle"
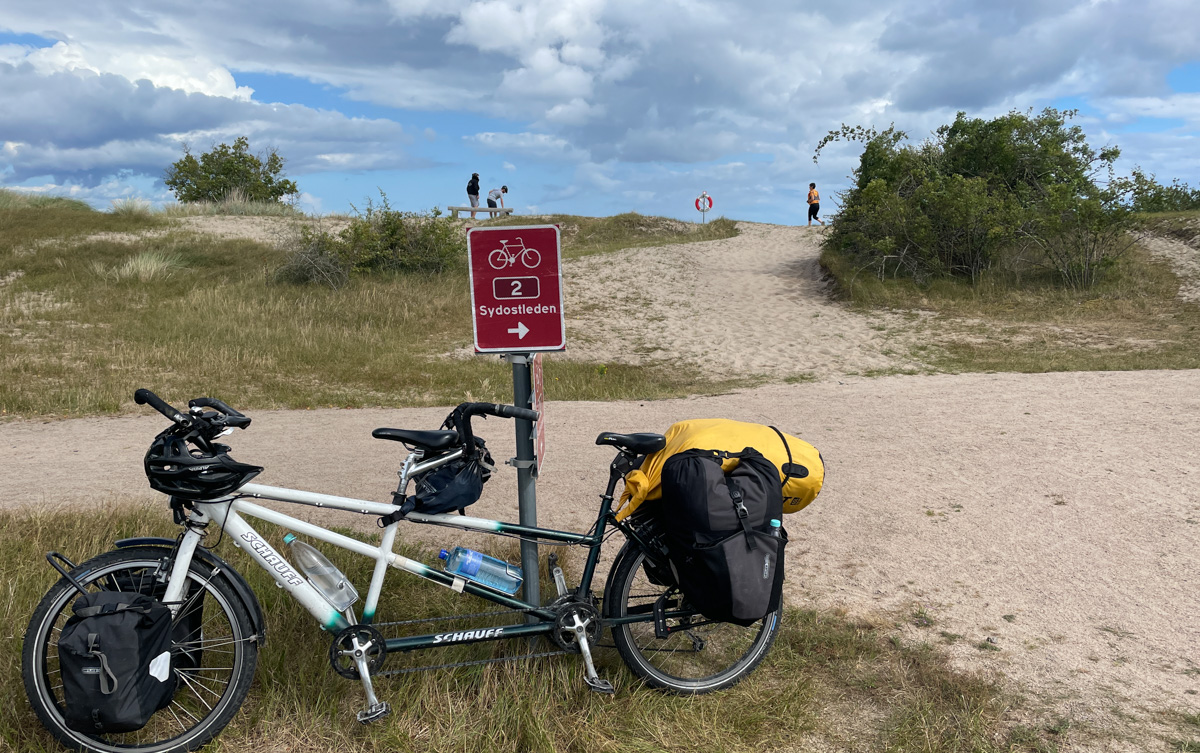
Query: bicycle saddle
(426, 440)
(639, 444)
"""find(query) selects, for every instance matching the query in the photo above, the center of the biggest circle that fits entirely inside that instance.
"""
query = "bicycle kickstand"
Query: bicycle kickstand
(375, 709)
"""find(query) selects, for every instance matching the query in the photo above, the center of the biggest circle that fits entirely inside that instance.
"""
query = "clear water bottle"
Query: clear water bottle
(322, 574)
(775, 525)
(482, 569)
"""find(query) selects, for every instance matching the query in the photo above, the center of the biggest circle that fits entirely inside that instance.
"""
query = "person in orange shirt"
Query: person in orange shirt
(814, 204)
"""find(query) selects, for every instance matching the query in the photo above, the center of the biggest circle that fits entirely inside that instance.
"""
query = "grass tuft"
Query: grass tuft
(131, 208)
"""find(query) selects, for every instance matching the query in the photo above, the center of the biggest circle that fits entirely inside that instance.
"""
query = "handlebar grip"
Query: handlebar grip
(512, 411)
(146, 397)
(498, 409)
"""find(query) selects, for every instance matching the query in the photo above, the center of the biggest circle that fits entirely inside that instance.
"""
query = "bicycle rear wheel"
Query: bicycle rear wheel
(699, 656)
(213, 651)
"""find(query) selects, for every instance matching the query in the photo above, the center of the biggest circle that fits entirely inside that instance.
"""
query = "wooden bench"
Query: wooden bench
(494, 210)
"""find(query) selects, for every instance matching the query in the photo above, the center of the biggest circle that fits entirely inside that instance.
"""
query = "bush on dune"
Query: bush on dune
(1019, 189)
(378, 240)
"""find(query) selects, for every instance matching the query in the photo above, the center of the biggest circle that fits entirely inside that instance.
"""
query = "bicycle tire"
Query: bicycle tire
(729, 652)
(228, 615)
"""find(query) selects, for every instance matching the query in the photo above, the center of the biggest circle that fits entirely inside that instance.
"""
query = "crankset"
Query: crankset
(353, 643)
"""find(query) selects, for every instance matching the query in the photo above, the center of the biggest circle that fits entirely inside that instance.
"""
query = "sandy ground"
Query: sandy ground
(753, 305)
(1056, 514)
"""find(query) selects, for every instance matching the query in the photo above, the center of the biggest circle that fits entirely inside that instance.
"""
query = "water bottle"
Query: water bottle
(775, 524)
(322, 574)
(482, 569)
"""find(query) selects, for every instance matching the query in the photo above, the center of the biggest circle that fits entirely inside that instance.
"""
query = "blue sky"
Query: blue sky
(580, 106)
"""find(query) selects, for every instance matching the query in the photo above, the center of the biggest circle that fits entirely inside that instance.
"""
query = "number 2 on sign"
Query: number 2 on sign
(515, 287)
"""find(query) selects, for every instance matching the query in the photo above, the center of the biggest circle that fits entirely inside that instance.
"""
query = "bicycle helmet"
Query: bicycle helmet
(175, 468)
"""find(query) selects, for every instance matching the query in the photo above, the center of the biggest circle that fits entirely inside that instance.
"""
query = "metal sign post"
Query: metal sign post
(526, 464)
(516, 307)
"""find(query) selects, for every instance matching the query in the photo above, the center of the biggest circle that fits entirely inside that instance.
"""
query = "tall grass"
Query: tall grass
(1031, 323)
(830, 681)
(131, 208)
(10, 199)
(236, 202)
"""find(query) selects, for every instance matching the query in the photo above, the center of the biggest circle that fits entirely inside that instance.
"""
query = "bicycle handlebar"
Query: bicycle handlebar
(228, 416)
(498, 409)
(146, 397)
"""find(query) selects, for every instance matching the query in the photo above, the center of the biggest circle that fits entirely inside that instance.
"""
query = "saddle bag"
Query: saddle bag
(453, 486)
(115, 658)
(726, 557)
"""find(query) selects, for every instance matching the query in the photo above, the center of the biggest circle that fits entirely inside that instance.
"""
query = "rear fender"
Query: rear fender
(240, 587)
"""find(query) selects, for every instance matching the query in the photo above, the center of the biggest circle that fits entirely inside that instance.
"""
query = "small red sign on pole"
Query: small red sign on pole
(539, 405)
(516, 288)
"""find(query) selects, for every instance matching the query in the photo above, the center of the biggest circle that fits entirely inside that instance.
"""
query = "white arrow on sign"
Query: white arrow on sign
(520, 331)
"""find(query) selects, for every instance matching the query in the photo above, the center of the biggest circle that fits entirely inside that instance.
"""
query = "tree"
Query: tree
(227, 171)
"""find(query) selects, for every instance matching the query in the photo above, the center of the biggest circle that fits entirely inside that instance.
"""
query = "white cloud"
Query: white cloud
(537, 146)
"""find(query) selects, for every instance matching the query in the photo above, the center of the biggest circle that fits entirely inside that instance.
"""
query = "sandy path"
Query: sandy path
(745, 306)
(1070, 502)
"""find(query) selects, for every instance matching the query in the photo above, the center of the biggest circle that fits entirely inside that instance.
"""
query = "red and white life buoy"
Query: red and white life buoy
(703, 203)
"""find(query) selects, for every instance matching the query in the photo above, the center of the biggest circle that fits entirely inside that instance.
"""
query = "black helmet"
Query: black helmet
(175, 468)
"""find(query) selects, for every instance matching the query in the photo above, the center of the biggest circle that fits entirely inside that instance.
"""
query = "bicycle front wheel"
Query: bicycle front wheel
(213, 651)
(697, 656)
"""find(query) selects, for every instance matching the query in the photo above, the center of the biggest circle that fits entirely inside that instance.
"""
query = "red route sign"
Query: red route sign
(516, 288)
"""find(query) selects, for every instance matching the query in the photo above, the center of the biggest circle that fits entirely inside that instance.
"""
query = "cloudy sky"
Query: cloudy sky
(580, 106)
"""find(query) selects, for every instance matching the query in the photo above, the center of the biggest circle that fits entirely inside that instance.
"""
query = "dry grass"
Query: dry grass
(830, 681)
(584, 236)
(86, 320)
(1131, 320)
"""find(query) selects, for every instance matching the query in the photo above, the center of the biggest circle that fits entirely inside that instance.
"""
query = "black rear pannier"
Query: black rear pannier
(724, 555)
(114, 654)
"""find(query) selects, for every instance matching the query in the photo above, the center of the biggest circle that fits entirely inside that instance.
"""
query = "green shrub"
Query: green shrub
(378, 240)
(1018, 187)
(1145, 194)
(314, 260)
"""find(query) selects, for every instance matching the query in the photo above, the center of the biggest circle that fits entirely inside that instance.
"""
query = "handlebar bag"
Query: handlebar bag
(717, 526)
(115, 658)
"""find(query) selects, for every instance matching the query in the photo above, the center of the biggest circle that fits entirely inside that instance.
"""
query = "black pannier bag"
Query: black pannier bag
(114, 654)
(187, 629)
(453, 486)
(719, 536)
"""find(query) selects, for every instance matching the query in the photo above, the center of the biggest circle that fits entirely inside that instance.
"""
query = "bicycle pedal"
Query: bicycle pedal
(600, 686)
(374, 713)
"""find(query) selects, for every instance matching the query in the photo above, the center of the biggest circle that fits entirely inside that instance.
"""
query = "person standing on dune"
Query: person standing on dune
(814, 205)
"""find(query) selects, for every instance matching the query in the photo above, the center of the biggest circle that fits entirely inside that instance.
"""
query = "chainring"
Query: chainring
(342, 649)
(563, 634)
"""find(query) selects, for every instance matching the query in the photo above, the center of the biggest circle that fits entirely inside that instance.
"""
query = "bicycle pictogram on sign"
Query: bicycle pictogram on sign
(508, 255)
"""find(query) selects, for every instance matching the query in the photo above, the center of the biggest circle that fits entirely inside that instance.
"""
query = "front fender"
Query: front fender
(240, 587)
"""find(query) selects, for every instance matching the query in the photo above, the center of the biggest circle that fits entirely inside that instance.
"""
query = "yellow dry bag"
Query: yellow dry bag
(800, 467)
